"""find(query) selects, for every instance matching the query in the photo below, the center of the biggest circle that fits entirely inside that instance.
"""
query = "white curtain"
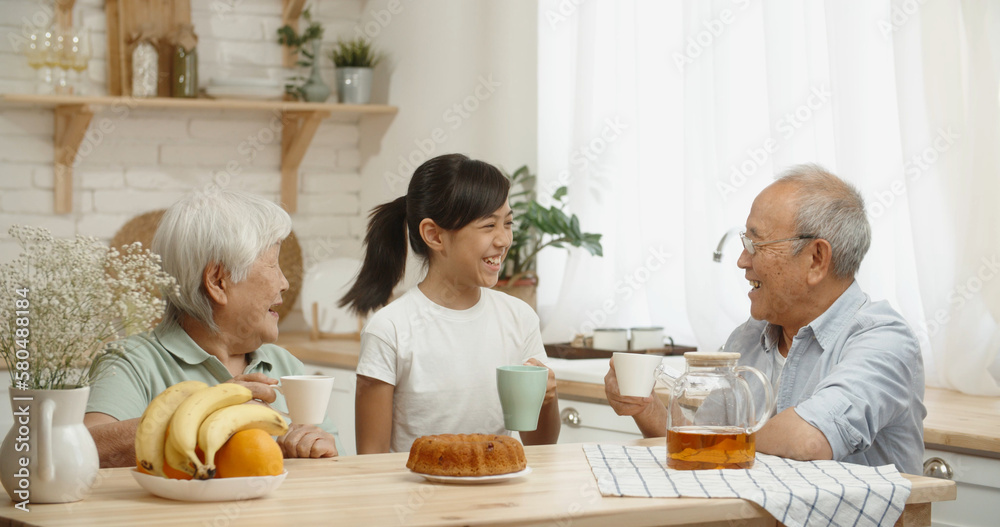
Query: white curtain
(665, 119)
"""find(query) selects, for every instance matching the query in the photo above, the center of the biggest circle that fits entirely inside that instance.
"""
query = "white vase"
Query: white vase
(48, 456)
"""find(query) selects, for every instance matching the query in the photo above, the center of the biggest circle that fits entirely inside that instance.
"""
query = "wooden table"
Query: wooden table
(379, 490)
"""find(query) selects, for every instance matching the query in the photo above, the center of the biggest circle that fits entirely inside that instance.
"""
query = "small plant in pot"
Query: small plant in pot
(355, 60)
(537, 227)
(306, 45)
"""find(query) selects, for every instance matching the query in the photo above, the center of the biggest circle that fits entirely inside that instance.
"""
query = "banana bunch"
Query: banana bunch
(191, 415)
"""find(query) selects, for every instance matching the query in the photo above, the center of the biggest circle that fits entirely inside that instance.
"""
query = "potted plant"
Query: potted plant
(537, 227)
(306, 45)
(62, 303)
(354, 60)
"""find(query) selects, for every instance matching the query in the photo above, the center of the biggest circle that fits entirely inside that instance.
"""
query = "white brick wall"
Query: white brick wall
(101, 225)
(59, 226)
(42, 175)
(27, 122)
(145, 160)
(108, 178)
(325, 181)
(33, 148)
(166, 178)
(124, 200)
(16, 177)
(31, 201)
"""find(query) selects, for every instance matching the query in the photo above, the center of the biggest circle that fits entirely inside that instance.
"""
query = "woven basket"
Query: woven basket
(141, 229)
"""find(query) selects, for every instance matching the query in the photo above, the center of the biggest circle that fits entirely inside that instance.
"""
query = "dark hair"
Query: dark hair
(452, 190)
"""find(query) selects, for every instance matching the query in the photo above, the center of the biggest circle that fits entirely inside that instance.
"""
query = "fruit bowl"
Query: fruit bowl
(219, 489)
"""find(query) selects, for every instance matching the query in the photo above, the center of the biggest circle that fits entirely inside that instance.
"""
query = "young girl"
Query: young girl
(428, 360)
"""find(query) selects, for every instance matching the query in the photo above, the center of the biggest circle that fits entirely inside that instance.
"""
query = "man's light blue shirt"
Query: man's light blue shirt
(855, 373)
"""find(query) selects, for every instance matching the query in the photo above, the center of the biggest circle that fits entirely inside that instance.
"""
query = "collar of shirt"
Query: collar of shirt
(825, 327)
(174, 339)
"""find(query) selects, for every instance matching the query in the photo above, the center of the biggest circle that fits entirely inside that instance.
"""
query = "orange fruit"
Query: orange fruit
(249, 453)
(138, 466)
(171, 472)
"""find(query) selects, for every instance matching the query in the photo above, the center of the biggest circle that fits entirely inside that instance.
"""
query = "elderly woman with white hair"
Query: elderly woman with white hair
(222, 247)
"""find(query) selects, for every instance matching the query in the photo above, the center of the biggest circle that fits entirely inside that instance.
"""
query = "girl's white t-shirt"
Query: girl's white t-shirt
(443, 362)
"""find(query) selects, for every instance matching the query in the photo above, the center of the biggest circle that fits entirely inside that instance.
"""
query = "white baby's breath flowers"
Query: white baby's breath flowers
(82, 296)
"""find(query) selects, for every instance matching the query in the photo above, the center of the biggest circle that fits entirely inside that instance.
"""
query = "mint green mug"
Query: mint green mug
(522, 391)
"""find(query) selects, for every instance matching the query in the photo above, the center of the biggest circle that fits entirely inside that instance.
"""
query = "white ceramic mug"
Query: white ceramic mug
(635, 373)
(647, 338)
(612, 339)
(306, 396)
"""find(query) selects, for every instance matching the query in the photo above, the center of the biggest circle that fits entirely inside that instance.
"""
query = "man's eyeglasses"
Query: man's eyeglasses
(751, 245)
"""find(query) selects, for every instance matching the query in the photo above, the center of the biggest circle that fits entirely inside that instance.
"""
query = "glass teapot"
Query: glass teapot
(711, 418)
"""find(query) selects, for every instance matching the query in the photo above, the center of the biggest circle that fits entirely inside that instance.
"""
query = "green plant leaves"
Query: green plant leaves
(537, 227)
(287, 36)
(357, 53)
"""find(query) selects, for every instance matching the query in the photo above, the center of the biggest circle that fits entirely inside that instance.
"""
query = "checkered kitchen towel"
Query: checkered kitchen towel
(796, 493)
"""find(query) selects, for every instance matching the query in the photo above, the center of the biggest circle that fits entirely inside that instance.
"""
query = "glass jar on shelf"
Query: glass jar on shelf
(184, 63)
(145, 69)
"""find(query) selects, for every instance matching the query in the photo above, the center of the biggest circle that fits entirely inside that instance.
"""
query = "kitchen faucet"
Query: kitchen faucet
(717, 255)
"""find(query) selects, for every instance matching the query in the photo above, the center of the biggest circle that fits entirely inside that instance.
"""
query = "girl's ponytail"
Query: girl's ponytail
(450, 189)
(385, 259)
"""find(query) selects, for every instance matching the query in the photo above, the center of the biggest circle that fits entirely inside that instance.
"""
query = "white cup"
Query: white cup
(635, 373)
(612, 339)
(306, 396)
(647, 338)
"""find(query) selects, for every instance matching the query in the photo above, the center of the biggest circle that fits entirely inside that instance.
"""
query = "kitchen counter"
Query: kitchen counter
(954, 421)
(380, 490)
(336, 353)
(579, 379)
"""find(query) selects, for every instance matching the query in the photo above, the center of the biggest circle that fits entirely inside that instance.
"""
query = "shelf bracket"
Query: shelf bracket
(296, 134)
(291, 10)
(64, 14)
(71, 122)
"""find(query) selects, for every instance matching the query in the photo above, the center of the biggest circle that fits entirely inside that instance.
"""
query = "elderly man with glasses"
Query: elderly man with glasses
(847, 373)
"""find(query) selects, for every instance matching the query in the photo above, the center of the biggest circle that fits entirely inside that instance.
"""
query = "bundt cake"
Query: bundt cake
(466, 455)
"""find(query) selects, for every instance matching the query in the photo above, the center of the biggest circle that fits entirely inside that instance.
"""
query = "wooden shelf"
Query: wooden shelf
(350, 110)
(72, 116)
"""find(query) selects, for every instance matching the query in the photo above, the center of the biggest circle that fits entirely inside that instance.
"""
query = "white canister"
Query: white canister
(612, 339)
(647, 338)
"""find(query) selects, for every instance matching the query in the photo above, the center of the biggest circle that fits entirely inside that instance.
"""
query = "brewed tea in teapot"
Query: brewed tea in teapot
(712, 417)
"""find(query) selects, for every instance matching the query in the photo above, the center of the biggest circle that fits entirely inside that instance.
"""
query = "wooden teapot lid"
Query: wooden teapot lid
(711, 356)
